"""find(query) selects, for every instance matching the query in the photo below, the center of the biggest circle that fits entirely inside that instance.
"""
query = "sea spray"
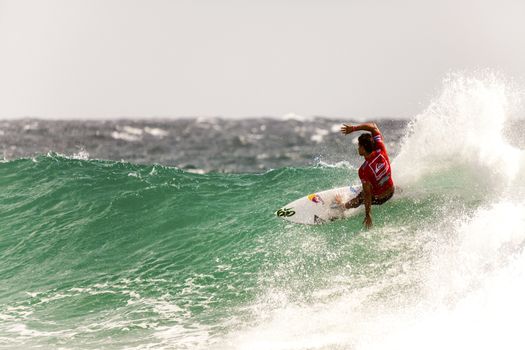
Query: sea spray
(462, 127)
(453, 277)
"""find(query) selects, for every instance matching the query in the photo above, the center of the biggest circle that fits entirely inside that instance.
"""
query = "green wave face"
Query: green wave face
(94, 249)
(99, 254)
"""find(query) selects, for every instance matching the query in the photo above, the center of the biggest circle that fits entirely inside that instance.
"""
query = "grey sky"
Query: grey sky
(132, 58)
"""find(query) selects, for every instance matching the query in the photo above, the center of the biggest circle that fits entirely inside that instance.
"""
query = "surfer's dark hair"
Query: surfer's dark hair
(367, 142)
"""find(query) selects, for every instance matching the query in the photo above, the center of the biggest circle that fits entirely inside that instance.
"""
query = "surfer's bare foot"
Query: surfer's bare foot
(338, 201)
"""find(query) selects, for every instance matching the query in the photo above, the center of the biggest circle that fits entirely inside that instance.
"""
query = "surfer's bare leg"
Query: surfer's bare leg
(355, 202)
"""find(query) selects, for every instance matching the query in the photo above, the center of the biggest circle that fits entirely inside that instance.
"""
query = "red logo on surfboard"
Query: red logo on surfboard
(315, 198)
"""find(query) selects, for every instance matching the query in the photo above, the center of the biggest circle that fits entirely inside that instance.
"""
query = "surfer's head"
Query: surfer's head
(366, 144)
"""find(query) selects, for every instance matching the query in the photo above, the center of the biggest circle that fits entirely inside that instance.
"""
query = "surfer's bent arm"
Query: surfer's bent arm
(367, 193)
(370, 127)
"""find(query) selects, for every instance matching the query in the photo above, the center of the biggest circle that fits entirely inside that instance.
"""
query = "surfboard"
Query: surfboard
(319, 207)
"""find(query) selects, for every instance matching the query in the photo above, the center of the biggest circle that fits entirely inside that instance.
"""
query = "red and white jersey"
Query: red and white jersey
(376, 168)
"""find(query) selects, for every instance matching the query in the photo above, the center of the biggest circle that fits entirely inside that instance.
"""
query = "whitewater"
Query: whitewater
(186, 253)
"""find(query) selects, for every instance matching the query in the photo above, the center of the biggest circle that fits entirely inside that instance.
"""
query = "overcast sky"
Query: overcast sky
(155, 58)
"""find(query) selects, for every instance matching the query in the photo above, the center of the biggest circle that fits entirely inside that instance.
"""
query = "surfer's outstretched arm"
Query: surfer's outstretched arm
(370, 127)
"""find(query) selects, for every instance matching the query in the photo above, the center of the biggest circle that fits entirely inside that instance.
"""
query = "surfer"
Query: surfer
(375, 172)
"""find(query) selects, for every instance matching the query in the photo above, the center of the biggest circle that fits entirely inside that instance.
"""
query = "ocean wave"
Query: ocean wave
(108, 254)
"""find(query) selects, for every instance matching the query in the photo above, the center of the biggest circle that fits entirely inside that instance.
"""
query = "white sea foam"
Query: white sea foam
(132, 134)
(132, 130)
(82, 154)
(335, 128)
(125, 136)
(196, 171)
(463, 278)
(195, 337)
(342, 164)
(462, 127)
(31, 126)
(319, 135)
(157, 132)
(293, 116)
(127, 133)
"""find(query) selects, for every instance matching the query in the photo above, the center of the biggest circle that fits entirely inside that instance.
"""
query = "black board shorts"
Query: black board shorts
(375, 200)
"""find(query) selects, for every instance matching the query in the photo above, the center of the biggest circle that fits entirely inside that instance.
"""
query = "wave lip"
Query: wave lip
(463, 126)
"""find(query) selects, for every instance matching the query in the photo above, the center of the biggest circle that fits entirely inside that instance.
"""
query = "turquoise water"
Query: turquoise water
(103, 254)
(100, 254)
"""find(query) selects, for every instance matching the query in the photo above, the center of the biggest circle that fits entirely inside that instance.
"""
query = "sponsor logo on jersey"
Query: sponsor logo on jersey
(379, 166)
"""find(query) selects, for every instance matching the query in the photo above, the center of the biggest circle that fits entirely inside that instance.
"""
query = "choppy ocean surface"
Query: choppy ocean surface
(161, 234)
(196, 144)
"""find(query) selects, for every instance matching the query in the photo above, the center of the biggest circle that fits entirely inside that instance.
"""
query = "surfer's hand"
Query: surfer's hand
(368, 222)
(347, 129)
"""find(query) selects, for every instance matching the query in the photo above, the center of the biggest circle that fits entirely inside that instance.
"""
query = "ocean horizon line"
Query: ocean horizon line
(289, 116)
